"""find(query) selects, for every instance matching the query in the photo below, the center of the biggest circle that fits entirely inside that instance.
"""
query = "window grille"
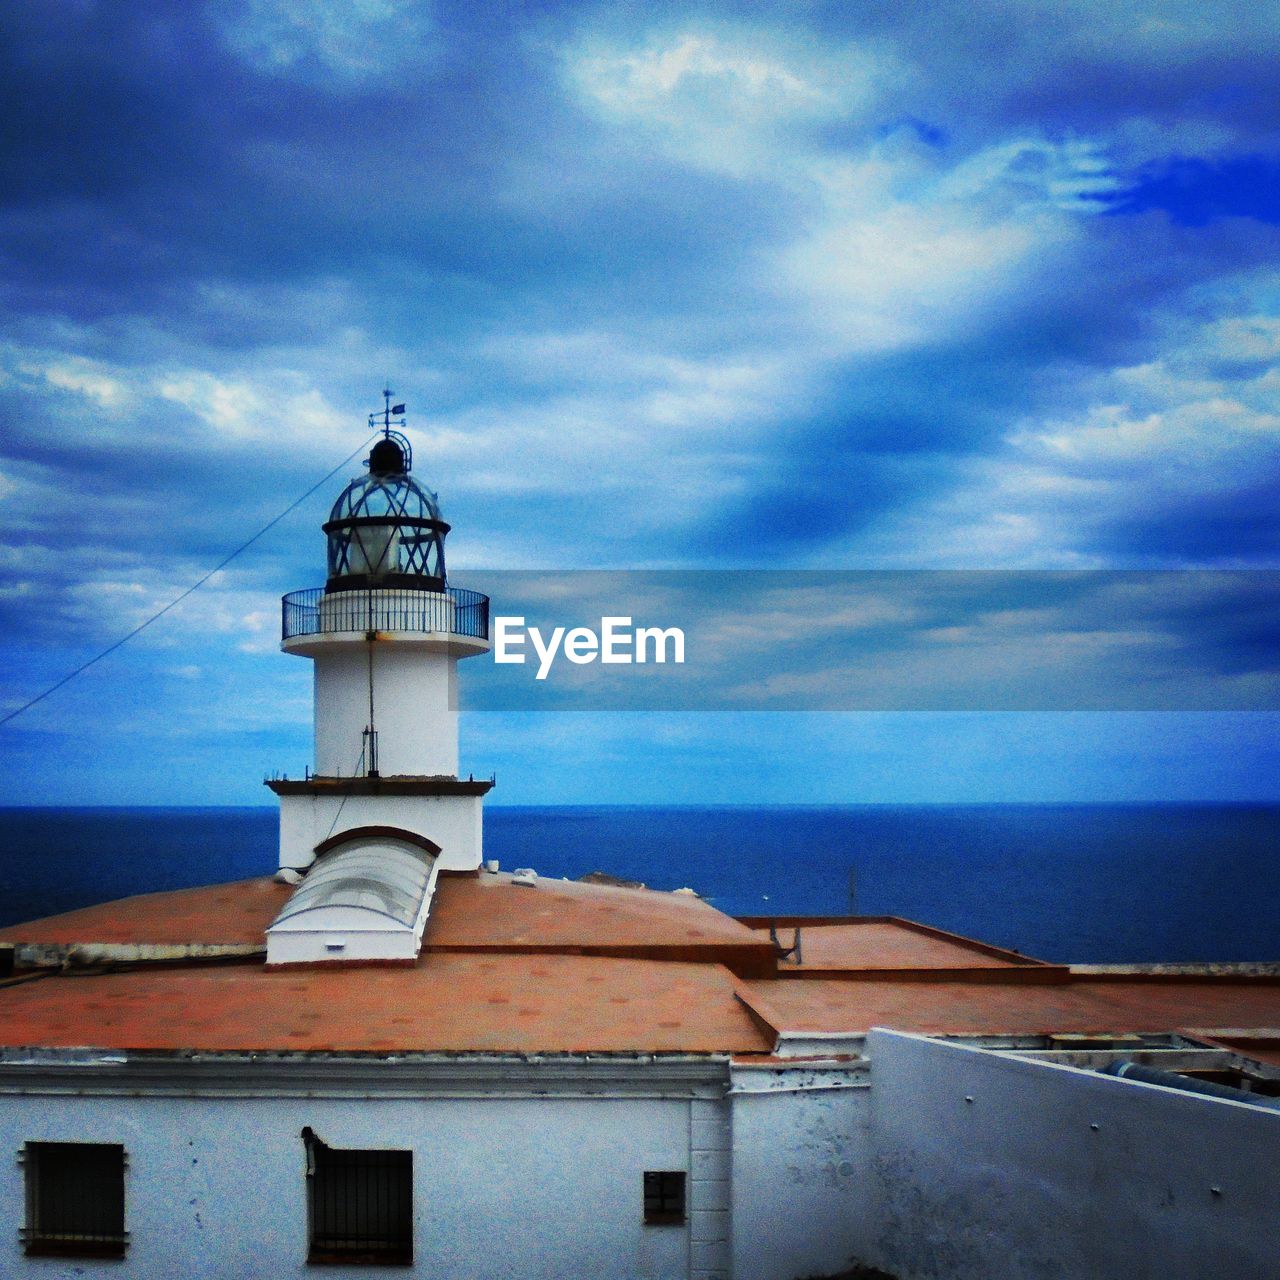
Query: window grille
(75, 1199)
(664, 1197)
(360, 1204)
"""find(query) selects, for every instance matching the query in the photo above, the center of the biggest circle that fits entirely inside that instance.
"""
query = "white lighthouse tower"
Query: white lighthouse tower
(384, 809)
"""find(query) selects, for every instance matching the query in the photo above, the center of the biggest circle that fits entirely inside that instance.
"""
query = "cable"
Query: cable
(29, 977)
(372, 766)
(347, 794)
(195, 586)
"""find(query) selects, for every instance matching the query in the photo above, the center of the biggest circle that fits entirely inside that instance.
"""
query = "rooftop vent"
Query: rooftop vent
(366, 898)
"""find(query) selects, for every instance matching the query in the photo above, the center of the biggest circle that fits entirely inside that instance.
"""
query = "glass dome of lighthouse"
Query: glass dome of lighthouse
(385, 529)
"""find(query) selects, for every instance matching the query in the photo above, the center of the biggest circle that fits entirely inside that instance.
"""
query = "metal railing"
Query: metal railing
(453, 611)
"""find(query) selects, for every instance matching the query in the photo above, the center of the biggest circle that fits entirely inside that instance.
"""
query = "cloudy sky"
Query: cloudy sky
(992, 285)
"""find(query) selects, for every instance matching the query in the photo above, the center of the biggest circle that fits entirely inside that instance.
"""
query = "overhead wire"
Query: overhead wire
(347, 792)
(195, 586)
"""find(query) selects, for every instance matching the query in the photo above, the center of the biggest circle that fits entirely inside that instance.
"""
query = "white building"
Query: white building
(389, 1056)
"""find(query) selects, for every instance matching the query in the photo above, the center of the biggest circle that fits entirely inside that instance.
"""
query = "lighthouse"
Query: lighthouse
(383, 811)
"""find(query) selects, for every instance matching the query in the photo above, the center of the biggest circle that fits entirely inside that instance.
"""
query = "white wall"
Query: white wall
(815, 1172)
(455, 823)
(801, 1173)
(1020, 1183)
(415, 698)
(504, 1189)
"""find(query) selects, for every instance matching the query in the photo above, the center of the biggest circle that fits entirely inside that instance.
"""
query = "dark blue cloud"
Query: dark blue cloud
(885, 433)
(145, 160)
(1232, 524)
(1074, 68)
(182, 199)
(1194, 191)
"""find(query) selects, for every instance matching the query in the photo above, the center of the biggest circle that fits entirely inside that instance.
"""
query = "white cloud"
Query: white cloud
(733, 103)
(1072, 174)
(892, 242)
(665, 78)
(231, 408)
(276, 406)
(1252, 339)
(903, 275)
(907, 245)
(1174, 439)
(129, 403)
(92, 379)
(347, 41)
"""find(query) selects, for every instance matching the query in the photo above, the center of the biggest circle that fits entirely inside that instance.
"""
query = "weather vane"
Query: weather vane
(389, 411)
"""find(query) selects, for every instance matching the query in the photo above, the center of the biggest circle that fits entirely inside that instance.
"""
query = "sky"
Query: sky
(800, 288)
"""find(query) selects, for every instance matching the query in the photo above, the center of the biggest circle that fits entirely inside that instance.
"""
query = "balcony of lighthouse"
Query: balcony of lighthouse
(451, 620)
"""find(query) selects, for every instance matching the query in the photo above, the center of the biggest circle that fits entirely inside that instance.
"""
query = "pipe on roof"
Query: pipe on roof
(1128, 1070)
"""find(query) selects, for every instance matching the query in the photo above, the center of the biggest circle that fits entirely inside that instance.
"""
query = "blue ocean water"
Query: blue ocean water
(1084, 883)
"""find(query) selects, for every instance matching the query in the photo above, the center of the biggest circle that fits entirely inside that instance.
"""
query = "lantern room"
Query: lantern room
(385, 529)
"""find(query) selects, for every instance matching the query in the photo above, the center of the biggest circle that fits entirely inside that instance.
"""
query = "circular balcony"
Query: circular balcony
(452, 614)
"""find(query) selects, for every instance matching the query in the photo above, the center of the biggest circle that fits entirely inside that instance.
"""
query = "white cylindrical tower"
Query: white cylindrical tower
(385, 633)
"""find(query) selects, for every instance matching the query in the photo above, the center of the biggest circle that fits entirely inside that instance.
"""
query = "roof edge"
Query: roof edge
(354, 1075)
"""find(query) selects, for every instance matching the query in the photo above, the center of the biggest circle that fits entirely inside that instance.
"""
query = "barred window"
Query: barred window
(664, 1197)
(359, 1203)
(75, 1199)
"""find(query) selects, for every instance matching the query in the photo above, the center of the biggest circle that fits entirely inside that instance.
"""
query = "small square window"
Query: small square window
(75, 1199)
(360, 1204)
(664, 1197)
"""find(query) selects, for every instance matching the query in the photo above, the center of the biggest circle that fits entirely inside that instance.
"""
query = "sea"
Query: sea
(1102, 884)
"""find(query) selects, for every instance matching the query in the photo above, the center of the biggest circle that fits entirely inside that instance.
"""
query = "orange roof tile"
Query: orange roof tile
(571, 967)
(1014, 1007)
(446, 1003)
(236, 913)
(486, 912)
(886, 944)
(489, 910)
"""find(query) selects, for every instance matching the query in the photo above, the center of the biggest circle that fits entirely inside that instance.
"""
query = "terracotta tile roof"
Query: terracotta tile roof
(490, 910)
(886, 944)
(220, 913)
(571, 967)
(491, 913)
(470, 912)
(1014, 1007)
(446, 1003)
